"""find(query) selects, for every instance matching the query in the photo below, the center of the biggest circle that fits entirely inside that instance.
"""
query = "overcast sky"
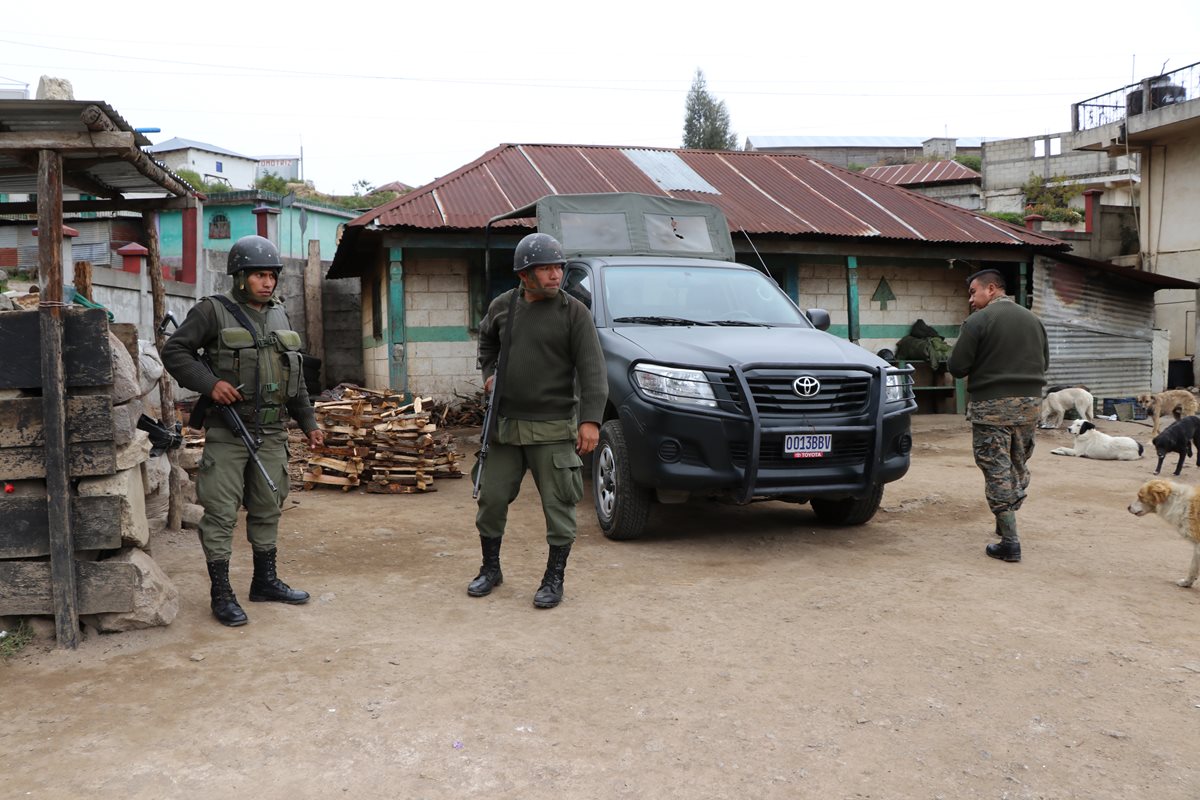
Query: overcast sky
(409, 92)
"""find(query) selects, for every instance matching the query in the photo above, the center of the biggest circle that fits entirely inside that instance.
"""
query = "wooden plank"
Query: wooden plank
(84, 459)
(89, 419)
(116, 141)
(95, 525)
(64, 599)
(313, 324)
(83, 279)
(87, 356)
(103, 586)
(127, 334)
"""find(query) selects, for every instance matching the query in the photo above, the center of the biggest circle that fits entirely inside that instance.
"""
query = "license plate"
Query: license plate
(807, 445)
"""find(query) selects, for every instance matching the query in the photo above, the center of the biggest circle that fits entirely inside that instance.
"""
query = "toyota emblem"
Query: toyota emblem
(806, 386)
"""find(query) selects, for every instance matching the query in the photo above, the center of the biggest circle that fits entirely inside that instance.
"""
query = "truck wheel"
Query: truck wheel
(851, 510)
(622, 507)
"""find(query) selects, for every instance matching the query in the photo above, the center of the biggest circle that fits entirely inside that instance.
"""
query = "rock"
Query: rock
(190, 515)
(189, 458)
(134, 453)
(54, 89)
(151, 366)
(155, 598)
(187, 487)
(3, 275)
(152, 403)
(125, 419)
(43, 627)
(127, 485)
(126, 384)
(6, 303)
(155, 471)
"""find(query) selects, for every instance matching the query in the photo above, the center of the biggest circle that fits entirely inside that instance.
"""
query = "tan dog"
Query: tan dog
(1179, 506)
(1056, 404)
(1179, 402)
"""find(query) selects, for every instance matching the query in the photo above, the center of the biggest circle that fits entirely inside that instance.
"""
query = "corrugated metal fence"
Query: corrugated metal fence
(1100, 329)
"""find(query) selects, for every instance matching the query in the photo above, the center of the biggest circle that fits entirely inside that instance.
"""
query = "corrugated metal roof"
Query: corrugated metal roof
(102, 169)
(761, 142)
(924, 173)
(772, 193)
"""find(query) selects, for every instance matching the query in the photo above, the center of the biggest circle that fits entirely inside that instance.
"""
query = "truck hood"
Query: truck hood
(718, 347)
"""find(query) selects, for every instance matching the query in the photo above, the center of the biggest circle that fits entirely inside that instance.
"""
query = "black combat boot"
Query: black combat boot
(489, 576)
(1009, 547)
(266, 586)
(550, 593)
(224, 604)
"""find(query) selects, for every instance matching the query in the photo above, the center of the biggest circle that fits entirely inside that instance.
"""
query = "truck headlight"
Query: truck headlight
(686, 386)
(899, 387)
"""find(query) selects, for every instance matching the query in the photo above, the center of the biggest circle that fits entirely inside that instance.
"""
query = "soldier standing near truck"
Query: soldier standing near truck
(237, 350)
(550, 345)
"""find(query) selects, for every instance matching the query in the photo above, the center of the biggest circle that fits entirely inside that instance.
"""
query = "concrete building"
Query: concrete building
(1158, 121)
(1008, 164)
(210, 162)
(866, 151)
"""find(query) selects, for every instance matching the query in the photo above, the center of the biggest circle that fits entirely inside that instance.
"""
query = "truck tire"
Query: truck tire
(622, 507)
(849, 511)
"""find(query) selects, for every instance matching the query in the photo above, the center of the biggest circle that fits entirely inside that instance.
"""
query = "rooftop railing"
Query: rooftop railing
(1167, 89)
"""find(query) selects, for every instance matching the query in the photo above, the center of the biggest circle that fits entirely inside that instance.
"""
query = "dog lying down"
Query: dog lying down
(1056, 404)
(1091, 442)
(1178, 438)
(1179, 507)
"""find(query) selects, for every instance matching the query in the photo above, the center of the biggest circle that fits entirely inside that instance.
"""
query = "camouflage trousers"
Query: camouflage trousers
(1002, 441)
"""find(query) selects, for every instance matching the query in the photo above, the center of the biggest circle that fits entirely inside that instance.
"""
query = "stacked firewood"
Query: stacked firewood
(375, 440)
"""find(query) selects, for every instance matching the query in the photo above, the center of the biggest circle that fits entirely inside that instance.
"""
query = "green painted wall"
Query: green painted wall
(242, 222)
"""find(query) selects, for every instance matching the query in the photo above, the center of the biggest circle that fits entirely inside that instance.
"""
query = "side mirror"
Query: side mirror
(819, 317)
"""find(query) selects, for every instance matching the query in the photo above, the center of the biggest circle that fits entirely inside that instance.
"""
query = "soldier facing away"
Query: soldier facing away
(1003, 353)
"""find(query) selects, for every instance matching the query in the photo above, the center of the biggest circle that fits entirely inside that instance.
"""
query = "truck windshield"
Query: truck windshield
(708, 295)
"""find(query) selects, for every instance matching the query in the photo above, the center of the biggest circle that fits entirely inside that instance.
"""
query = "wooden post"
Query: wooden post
(54, 402)
(83, 279)
(166, 394)
(312, 303)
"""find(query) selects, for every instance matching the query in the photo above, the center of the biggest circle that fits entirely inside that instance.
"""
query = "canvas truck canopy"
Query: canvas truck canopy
(627, 223)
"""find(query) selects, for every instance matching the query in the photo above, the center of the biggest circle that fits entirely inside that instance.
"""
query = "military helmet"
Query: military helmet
(253, 252)
(537, 249)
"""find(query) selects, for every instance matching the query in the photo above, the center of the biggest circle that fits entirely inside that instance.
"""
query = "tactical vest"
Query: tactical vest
(273, 350)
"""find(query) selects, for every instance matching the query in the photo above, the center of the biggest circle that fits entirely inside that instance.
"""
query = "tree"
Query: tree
(706, 124)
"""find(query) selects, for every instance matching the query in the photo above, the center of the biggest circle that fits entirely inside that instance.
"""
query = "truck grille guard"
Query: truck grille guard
(876, 401)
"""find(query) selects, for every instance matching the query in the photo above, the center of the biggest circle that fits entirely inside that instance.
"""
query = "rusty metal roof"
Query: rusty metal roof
(923, 174)
(763, 193)
(104, 169)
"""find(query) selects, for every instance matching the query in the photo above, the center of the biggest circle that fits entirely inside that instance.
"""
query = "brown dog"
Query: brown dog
(1179, 402)
(1179, 506)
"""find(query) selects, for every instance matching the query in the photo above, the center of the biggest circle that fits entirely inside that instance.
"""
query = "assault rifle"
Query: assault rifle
(485, 437)
(489, 414)
(228, 415)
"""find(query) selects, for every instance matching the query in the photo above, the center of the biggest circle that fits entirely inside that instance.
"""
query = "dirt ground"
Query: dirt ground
(737, 652)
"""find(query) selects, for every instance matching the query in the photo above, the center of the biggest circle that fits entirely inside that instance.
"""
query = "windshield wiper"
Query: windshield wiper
(661, 321)
(739, 323)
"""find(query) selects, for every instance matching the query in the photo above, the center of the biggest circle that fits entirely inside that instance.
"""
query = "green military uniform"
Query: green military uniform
(553, 345)
(267, 366)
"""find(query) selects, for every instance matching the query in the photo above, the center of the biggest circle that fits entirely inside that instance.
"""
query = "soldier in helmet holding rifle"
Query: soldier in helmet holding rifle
(238, 350)
(539, 343)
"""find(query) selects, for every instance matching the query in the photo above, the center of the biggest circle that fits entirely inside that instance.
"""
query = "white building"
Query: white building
(210, 162)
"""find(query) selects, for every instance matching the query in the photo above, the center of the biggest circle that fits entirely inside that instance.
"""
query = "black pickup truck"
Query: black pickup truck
(719, 386)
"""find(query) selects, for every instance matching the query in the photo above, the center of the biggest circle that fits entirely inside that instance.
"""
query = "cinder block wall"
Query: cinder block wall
(935, 294)
(440, 348)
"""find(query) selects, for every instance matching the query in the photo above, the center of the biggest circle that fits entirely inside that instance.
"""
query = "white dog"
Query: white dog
(1179, 506)
(1090, 442)
(1056, 404)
